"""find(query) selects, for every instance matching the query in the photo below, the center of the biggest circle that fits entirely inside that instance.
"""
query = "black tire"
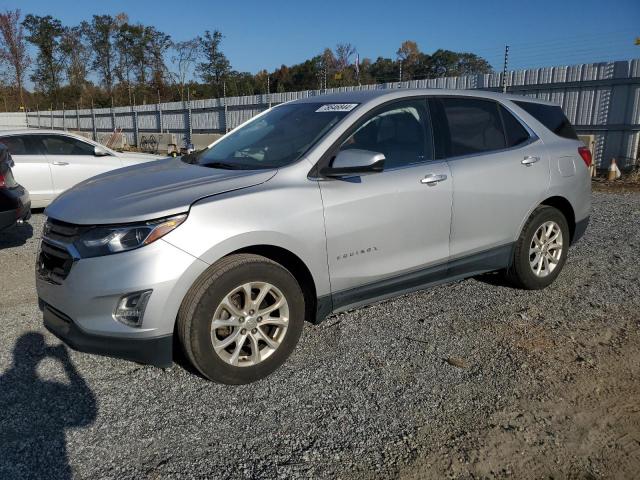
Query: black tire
(520, 273)
(197, 310)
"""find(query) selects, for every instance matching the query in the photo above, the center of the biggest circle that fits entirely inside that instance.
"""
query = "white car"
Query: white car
(48, 162)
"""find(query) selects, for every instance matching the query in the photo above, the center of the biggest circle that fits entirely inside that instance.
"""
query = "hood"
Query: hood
(147, 191)
(131, 158)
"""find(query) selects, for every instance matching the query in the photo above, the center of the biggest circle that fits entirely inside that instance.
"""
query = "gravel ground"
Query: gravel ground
(468, 380)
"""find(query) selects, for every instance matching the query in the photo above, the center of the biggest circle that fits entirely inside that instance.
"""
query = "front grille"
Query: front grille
(55, 258)
(63, 232)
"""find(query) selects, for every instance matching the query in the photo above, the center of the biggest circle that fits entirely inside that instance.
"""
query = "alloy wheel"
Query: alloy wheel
(249, 324)
(545, 249)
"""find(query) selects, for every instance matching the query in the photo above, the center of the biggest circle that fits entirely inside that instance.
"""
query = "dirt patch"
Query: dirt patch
(583, 422)
(626, 184)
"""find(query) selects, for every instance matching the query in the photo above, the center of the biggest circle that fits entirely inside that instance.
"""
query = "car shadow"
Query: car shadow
(16, 235)
(34, 413)
(497, 279)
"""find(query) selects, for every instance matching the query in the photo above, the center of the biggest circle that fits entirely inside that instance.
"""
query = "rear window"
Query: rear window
(550, 116)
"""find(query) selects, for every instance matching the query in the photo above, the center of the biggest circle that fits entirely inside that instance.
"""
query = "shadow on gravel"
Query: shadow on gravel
(34, 413)
(493, 278)
(15, 236)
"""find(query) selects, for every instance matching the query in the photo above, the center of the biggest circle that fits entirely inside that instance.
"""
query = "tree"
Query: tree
(13, 49)
(129, 44)
(215, 65)
(100, 33)
(46, 33)
(445, 63)
(158, 44)
(408, 55)
(408, 52)
(344, 53)
(77, 56)
(186, 55)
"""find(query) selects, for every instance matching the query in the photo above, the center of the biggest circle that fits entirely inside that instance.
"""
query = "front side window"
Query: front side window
(470, 125)
(399, 132)
(61, 145)
(275, 139)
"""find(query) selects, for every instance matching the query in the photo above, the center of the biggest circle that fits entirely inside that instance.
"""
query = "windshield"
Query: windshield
(276, 139)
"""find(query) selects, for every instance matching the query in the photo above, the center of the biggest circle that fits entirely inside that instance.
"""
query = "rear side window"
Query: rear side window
(467, 126)
(515, 132)
(551, 116)
(18, 145)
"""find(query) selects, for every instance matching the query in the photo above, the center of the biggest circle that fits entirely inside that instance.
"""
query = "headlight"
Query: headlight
(113, 239)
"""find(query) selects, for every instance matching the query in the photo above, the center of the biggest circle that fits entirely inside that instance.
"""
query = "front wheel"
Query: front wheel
(242, 319)
(541, 250)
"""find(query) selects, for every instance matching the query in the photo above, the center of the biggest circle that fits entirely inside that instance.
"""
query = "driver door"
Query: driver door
(388, 232)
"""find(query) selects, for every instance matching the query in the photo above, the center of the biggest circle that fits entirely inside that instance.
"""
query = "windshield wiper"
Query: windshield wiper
(225, 166)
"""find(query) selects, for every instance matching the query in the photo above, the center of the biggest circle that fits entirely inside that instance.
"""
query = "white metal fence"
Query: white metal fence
(600, 99)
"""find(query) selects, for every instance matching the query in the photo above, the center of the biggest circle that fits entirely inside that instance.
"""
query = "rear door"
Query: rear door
(73, 161)
(385, 230)
(499, 170)
(32, 169)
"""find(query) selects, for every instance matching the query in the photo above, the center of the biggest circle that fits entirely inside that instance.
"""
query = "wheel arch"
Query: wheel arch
(296, 266)
(565, 207)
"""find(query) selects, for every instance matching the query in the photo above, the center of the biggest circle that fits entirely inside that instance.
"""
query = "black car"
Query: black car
(15, 204)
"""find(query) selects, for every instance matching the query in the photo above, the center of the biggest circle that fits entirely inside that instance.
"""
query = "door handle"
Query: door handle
(60, 163)
(433, 179)
(529, 160)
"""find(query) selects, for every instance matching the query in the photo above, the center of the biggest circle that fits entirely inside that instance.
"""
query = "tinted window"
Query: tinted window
(474, 126)
(18, 145)
(516, 133)
(398, 132)
(275, 139)
(550, 116)
(60, 145)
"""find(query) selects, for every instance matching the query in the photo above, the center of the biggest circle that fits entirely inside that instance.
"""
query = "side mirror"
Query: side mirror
(354, 162)
(100, 152)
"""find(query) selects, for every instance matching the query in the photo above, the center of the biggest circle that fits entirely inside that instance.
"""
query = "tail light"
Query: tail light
(585, 153)
(3, 182)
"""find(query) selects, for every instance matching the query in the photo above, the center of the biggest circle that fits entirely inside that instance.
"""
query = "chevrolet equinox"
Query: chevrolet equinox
(313, 207)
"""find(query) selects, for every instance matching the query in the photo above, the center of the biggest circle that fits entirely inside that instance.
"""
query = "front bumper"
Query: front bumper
(79, 308)
(153, 351)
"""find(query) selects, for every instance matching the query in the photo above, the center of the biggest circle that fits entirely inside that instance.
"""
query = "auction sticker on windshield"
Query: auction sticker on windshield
(337, 107)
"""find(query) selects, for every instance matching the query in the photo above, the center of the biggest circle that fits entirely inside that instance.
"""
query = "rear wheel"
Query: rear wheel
(541, 250)
(242, 319)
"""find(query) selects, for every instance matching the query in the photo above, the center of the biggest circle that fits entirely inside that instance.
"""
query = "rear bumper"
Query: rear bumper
(156, 351)
(20, 208)
(581, 228)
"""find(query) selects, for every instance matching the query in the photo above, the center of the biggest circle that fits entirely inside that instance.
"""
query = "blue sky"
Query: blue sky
(266, 34)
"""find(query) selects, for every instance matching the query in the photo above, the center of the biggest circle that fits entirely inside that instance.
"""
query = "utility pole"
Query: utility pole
(224, 95)
(400, 70)
(504, 70)
(268, 90)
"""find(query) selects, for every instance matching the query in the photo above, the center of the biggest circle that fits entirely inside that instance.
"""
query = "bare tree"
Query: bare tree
(187, 54)
(344, 52)
(13, 48)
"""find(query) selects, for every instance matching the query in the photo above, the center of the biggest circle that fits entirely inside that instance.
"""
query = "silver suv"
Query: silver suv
(313, 207)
